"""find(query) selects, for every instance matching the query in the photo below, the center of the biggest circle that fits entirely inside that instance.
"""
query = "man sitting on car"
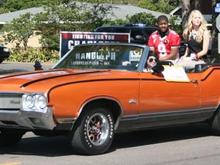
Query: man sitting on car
(164, 42)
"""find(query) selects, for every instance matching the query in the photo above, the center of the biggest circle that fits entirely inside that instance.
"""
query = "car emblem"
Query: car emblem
(132, 101)
(15, 102)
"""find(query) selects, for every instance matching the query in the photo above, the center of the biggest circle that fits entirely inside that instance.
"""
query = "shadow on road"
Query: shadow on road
(161, 135)
(59, 146)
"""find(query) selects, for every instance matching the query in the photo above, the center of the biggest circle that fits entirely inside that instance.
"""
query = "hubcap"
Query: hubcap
(98, 129)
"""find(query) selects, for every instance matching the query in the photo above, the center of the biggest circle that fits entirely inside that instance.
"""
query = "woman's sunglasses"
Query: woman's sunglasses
(152, 59)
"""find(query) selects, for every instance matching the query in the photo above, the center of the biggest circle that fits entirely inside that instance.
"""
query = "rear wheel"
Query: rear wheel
(94, 132)
(215, 124)
(10, 137)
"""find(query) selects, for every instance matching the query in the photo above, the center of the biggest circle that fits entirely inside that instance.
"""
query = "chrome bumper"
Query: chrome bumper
(19, 119)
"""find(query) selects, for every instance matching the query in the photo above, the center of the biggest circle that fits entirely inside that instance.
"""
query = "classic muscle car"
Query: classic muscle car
(97, 90)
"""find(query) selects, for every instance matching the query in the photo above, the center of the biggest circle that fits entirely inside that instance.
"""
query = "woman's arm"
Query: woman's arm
(186, 52)
(205, 47)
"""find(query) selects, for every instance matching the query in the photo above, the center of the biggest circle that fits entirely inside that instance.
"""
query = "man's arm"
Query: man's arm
(172, 55)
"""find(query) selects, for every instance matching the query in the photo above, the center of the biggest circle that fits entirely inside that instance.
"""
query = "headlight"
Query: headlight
(34, 102)
(40, 102)
(27, 102)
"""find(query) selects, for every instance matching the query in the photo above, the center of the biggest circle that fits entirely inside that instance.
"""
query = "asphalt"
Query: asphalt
(13, 67)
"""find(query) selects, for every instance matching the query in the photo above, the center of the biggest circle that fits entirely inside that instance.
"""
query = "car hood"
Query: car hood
(42, 81)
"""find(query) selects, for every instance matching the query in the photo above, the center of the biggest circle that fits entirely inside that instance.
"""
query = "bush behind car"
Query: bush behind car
(32, 54)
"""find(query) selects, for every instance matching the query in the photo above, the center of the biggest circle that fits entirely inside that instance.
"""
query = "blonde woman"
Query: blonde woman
(197, 36)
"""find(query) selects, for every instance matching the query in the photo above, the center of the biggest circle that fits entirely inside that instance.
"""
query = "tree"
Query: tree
(95, 16)
(20, 30)
(14, 5)
(71, 17)
(2, 2)
(144, 18)
(159, 5)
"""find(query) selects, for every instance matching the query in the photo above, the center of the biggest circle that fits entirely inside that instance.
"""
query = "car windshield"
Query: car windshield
(126, 57)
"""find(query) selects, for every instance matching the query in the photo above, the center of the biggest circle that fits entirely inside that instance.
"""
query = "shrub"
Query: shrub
(32, 54)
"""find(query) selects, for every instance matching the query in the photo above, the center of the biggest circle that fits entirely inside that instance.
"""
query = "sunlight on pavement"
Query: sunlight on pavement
(11, 163)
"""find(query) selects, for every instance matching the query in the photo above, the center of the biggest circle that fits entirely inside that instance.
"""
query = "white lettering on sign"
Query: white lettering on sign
(93, 37)
(70, 44)
(76, 42)
(96, 56)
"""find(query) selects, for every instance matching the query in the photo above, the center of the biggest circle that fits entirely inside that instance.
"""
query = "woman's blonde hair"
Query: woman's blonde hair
(189, 26)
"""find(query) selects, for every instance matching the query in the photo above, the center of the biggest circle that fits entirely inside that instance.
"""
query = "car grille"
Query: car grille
(10, 101)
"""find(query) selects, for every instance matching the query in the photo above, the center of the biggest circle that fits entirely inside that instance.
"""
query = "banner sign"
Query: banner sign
(69, 39)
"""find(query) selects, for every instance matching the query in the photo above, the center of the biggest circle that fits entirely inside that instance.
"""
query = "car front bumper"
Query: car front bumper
(30, 120)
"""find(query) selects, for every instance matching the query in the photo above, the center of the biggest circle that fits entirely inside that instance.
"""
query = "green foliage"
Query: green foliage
(68, 18)
(176, 25)
(19, 30)
(94, 1)
(147, 4)
(4, 10)
(13, 5)
(32, 54)
(144, 18)
(95, 17)
(133, 2)
(117, 22)
(159, 5)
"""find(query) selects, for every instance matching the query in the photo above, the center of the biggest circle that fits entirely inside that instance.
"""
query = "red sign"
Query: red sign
(69, 39)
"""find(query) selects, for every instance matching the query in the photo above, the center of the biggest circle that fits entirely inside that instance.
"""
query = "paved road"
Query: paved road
(185, 145)
(189, 145)
(9, 67)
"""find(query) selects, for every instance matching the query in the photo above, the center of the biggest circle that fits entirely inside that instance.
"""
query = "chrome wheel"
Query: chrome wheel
(97, 129)
(94, 131)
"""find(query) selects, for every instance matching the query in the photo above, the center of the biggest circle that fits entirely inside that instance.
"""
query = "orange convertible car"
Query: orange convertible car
(97, 90)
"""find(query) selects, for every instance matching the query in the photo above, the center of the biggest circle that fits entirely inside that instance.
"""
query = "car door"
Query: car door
(160, 96)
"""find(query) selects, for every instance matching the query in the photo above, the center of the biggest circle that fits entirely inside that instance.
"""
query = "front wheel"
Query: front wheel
(10, 137)
(94, 132)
